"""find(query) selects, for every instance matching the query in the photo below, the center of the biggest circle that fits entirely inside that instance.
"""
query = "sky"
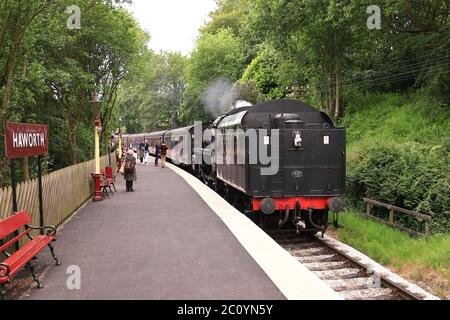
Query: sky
(173, 24)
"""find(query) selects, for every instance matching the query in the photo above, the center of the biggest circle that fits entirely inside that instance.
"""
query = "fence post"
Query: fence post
(391, 215)
(369, 209)
(427, 229)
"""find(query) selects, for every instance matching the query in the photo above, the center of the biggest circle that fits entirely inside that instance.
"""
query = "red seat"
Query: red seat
(108, 172)
(25, 254)
(105, 184)
(11, 228)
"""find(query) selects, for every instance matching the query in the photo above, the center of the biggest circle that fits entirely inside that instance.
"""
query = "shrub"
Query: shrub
(398, 153)
(409, 175)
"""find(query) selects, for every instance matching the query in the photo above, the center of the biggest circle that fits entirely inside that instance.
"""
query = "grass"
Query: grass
(397, 118)
(424, 261)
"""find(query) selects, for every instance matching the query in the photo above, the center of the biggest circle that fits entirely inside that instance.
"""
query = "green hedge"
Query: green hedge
(398, 153)
(409, 175)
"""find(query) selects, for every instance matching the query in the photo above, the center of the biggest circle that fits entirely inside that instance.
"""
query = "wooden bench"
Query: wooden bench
(109, 174)
(12, 230)
(105, 185)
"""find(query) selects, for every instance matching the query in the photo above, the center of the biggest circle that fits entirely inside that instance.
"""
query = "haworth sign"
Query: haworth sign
(25, 140)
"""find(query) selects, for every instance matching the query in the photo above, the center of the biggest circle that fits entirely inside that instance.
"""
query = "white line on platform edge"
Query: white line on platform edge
(293, 279)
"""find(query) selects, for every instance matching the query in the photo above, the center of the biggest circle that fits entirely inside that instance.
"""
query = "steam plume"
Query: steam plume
(220, 96)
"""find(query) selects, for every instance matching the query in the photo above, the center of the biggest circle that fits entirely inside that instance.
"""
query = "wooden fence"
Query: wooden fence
(426, 219)
(64, 192)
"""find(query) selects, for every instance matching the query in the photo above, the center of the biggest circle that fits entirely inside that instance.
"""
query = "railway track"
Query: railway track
(346, 275)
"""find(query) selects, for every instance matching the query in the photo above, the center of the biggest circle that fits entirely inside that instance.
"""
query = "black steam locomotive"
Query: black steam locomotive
(280, 162)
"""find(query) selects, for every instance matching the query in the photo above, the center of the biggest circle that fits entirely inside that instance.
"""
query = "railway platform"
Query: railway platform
(173, 238)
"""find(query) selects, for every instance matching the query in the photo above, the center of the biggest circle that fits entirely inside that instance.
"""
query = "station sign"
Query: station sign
(25, 140)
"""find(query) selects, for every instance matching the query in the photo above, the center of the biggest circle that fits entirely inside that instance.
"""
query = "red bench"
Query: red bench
(105, 185)
(12, 230)
(110, 177)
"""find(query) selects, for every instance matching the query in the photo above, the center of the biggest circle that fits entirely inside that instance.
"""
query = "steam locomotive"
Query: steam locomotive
(308, 150)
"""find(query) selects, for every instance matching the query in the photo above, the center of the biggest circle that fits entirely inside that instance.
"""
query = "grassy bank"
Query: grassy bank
(424, 261)
(399, 153)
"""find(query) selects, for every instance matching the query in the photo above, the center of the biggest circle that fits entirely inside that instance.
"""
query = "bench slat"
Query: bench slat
(14, 240)
(14, 223)
(25, 254)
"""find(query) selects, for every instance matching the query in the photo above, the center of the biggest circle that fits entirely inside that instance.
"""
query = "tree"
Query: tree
(152, 98)
(96, 58)
(217, 56)
(263, 70)
(48, 73)
(16, 17)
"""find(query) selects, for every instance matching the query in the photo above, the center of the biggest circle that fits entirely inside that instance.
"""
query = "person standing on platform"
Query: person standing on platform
(146, 152)
(142, 152)
(163, 154)
(157, 153)
(130, 170)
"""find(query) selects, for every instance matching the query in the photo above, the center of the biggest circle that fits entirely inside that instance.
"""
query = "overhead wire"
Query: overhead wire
(406, 70)
(414, 66)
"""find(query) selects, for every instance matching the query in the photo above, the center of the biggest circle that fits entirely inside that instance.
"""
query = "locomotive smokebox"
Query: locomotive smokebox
(268, 206)
(336, 204)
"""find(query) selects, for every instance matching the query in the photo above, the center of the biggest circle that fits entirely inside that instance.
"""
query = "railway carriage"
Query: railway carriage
(152, 139)
(133, 140)
(181, 144)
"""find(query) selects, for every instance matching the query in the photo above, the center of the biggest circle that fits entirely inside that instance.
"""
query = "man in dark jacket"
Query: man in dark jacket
(142, 152)
(163, 154)
(157, 153)
(146, 152)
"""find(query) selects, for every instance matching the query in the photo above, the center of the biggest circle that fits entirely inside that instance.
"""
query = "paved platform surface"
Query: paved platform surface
(160, 242)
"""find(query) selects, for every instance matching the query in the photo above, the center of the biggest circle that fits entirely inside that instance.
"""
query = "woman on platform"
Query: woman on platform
(130, 170)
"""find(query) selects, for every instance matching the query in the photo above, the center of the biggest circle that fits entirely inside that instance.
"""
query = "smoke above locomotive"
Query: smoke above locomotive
(221, 97)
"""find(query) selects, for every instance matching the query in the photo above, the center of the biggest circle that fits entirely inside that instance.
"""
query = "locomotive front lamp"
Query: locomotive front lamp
(298, 140)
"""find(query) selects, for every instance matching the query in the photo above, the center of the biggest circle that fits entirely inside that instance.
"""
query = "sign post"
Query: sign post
(14, 184)
(26, 140)
(41, 198)
(14, 195)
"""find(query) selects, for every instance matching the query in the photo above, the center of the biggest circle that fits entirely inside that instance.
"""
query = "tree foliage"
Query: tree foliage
(49, 73)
